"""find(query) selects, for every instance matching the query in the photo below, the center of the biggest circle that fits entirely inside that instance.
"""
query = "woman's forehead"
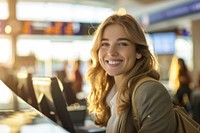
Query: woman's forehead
(115, 30)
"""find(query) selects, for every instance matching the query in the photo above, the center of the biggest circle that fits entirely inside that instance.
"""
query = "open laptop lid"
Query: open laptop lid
(51, 88)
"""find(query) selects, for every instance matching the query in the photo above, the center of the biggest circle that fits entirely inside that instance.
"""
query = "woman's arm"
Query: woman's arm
(154, 108)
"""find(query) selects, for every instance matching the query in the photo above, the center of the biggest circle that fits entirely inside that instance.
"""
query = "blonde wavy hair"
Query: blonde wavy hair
(101, 83)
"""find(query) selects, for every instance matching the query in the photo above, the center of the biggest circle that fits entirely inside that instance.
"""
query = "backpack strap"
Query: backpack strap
(134, 111)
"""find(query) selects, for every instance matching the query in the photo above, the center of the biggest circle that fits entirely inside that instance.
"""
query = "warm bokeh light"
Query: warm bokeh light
(22, 74)
(8, 29)
(121, 11)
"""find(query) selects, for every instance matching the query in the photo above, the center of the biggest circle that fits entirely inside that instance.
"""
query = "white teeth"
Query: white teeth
(114, 62)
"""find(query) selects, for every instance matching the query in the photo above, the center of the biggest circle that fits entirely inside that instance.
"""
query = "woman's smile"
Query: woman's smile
(114, 62)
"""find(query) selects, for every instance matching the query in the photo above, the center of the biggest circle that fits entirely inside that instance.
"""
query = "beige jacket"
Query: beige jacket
(154, 108)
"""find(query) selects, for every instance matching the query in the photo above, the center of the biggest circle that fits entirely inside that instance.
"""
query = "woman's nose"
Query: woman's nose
(112, 51)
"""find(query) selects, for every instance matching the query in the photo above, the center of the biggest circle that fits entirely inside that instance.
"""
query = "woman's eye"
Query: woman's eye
(123, 44)
(104, 44)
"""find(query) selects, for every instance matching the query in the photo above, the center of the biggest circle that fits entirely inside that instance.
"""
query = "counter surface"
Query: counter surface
(17, 116)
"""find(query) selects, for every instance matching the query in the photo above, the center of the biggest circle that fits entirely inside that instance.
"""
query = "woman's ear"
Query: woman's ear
(138, 56)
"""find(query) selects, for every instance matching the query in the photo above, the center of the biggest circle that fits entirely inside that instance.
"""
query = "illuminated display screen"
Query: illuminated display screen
(57, 28)
(163, 43)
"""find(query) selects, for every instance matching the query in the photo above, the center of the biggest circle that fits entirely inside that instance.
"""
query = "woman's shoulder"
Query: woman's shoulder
(153, 104)
(152, 85)
(151, 88)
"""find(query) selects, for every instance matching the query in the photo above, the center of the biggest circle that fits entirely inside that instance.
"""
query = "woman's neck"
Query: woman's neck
(118, 81)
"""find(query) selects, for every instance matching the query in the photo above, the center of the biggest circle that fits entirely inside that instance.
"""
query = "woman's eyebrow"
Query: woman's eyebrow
(104, 39)
(119, 39)
(123, 39)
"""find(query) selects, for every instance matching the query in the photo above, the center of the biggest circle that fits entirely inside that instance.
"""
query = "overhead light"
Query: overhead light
(121, 11)
(63, 12)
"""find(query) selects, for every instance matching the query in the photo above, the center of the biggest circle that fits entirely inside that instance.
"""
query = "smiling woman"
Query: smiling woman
(121, 58)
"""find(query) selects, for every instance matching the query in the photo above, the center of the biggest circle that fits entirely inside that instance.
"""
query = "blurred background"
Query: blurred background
(53, 38)
(48, 37)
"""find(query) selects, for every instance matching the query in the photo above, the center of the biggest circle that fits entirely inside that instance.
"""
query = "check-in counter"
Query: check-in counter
(17, 116)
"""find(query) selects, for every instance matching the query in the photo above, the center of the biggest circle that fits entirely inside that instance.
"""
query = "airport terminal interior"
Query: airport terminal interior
(53, 38)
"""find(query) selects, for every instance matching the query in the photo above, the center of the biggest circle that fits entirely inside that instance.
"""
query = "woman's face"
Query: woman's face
(117, 55)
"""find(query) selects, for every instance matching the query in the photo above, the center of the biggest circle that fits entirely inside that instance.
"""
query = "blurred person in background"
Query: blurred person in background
(78, 79)
(68, 89)
(62, 73)
(184, 81)
(195, 101)
(120, 58)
